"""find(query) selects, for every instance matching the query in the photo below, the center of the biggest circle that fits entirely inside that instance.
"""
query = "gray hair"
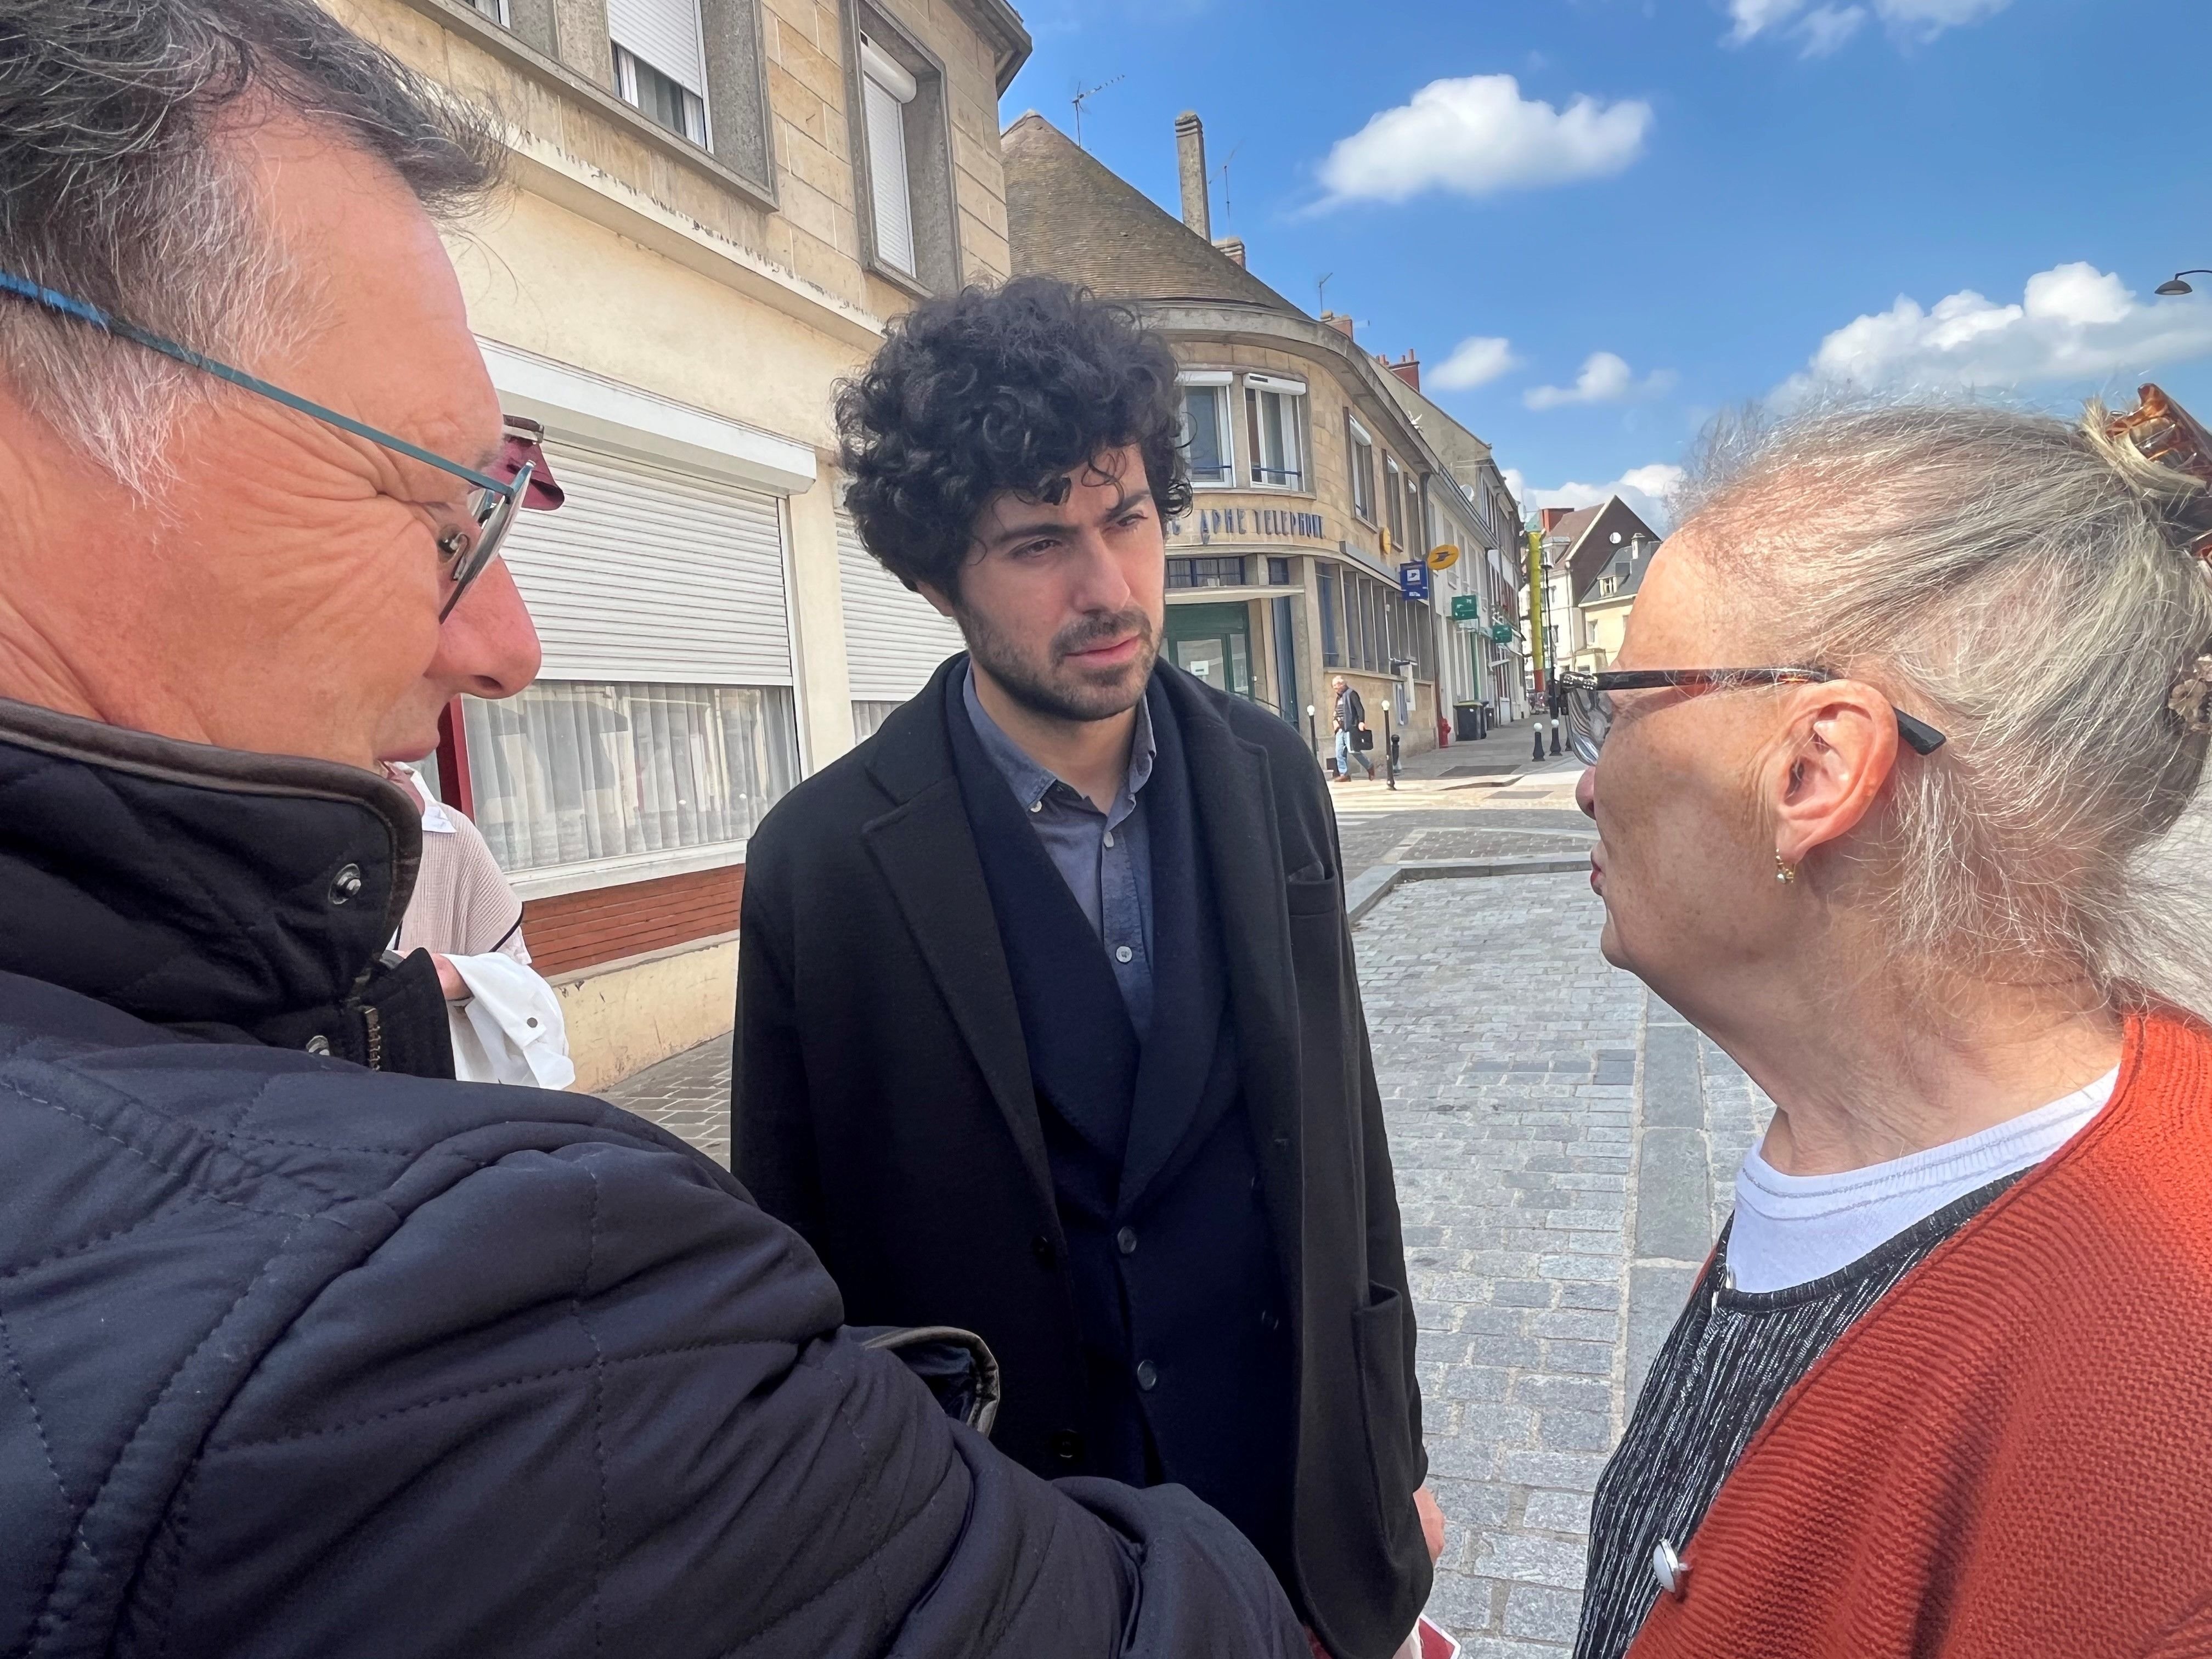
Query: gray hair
(115, 187)
(2022, 584)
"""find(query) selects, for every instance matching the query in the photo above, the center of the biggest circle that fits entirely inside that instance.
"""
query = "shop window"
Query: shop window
(1205, 573)
(570, 773)
(1326, 589)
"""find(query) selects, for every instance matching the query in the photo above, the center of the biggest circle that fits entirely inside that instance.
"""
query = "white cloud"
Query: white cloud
(1606, 378)
(1827, 28)
(1824, 27)
(1478, 135)
(2073, 323)
(1646, 488)
(1475, 361)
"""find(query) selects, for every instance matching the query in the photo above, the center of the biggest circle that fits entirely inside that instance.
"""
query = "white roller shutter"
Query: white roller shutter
(885, 91)
(664, 33)
(650, 574)
(894, 638)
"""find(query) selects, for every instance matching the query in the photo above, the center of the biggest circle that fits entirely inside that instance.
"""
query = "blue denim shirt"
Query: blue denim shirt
(1105, 858)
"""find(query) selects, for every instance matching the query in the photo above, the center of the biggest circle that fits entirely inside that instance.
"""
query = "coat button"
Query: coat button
(1270, 1320)
(318, 1044)
(1670, 1569)
(1067, 1445)
(1126, 1240)
(1148, 1376)
(1123, 953)
(346, 884)
(1041, 1247)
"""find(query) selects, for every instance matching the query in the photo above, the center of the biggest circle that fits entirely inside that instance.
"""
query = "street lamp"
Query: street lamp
(2175, 285)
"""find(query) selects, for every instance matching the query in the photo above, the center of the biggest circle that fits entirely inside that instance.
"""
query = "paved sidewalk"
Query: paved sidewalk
(1564, 1150)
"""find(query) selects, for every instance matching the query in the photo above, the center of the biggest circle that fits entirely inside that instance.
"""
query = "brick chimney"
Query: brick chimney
(1233, 246)
(1190, 162)
(1409, 370)
(1338, 321)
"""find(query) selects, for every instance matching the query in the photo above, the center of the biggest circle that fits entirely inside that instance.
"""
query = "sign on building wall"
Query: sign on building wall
(1413, 580)
(1273, 524)
(1464, 608)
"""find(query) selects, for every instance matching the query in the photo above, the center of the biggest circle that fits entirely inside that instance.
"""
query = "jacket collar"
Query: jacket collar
(187, 885)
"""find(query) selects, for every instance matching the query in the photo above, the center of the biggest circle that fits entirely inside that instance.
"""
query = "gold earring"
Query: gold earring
(1784, 874)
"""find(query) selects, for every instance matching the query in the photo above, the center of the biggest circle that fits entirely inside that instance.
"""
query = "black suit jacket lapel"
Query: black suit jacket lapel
(1187, 969)
(926, 852)
(1238, 836)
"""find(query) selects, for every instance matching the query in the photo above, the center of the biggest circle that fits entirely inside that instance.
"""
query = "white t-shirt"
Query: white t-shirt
(1790, 1230)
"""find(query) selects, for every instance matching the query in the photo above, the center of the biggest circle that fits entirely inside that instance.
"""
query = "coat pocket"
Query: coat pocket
(1378, 1343)
(1315, 895)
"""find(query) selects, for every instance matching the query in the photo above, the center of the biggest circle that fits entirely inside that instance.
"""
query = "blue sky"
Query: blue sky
(1664, 208)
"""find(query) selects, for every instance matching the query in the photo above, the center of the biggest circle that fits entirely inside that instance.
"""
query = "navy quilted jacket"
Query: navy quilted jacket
(300, 1357)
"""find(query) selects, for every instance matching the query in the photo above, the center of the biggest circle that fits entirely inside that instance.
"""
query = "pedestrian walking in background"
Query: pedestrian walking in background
(1904, 701)
(1351, 721)
(1046, 1022)
(306, 1356)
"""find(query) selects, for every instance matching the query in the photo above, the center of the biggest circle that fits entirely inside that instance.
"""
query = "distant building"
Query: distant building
(716, 207)
(1472, 497)
(1315, 477)
(1594, 562)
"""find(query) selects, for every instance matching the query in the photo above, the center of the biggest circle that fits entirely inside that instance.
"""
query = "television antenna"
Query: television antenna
(1321, 293)
(1084, 95)
(1228, 212)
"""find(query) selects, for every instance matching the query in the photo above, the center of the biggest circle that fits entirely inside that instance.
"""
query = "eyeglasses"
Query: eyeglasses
(464, 552)
(1589, 699)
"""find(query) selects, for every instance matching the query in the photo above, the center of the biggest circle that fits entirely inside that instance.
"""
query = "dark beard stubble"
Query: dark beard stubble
(1055, 690)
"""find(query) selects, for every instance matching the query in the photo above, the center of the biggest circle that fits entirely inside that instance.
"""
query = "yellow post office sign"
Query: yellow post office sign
(1443, 557)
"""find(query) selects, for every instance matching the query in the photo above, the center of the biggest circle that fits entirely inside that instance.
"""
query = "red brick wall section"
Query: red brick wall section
(572, 932)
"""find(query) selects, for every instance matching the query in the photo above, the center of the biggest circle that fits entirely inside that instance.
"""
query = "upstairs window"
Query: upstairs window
(1207, 428)
(494, 9)
(1361, 449)
(1275, 420)
(1394, 502)
(660, 63)
(887, 89)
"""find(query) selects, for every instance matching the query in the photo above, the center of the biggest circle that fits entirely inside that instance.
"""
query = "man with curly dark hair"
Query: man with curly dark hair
(1047, 1021)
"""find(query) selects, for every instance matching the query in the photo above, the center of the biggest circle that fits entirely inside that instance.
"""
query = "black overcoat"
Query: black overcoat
(883, 1106)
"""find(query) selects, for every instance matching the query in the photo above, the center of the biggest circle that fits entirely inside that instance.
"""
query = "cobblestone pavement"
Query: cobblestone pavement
(689, 1094)
(1565, 1148)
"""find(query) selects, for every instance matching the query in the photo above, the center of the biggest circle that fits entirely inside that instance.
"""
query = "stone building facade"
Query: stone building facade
(716, 207)
(1314, 484)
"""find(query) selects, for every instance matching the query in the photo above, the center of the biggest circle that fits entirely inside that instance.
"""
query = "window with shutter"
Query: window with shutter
(894, 639)
(661, 64)
(887, 89)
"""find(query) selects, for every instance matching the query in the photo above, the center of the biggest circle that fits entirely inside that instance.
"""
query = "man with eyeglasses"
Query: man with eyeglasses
(304, 1355)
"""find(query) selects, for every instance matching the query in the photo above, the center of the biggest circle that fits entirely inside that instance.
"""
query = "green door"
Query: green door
(1214, 642)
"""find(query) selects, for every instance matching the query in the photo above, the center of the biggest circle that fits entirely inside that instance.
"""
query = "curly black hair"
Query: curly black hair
(1000, 389)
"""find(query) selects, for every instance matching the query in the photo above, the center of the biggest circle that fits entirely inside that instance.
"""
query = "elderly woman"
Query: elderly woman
(1905, 704)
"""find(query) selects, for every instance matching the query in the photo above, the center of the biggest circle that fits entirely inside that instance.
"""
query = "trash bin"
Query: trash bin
(1467, 721)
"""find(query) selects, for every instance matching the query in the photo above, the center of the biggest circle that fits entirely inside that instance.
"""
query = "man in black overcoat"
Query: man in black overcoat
(1047, 1021)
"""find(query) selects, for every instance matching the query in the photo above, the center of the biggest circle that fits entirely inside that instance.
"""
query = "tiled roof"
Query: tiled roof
(1069, 216)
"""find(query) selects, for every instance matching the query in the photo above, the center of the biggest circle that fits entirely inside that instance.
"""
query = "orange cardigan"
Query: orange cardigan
(2010, 1455)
